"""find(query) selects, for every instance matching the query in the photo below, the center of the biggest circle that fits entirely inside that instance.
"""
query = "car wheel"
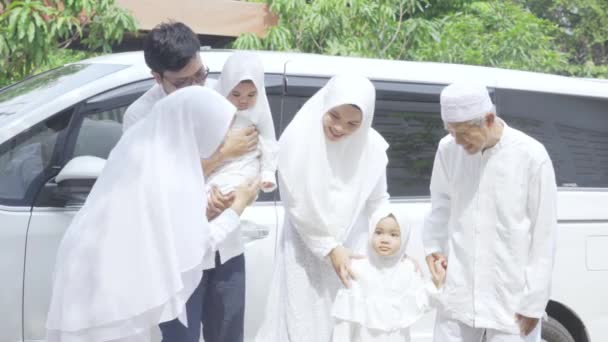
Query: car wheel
(554, 331)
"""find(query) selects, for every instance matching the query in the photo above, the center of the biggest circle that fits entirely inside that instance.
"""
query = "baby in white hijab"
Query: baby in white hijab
(389, 293)
(242, 83)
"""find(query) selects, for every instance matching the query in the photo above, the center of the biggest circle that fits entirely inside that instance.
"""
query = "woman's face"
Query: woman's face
(387, 237)
(244, 95)
(341, 121)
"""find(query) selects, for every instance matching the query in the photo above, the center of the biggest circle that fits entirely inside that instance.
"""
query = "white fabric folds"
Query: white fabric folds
(388, 296)
(329, 181)
(133, 254)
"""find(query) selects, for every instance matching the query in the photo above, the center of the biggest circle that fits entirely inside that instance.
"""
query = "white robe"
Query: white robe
(381, 305)
(494, 216)
(329, 192)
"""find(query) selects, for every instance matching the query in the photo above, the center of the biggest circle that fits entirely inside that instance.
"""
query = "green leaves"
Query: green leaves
(538, 35)
(33, 29)
(345, 27)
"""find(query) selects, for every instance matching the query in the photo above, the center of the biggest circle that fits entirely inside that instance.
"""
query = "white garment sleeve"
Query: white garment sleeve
(269, 148)
(221, 226)
(318, 242)
(435, 229)
(542, 210)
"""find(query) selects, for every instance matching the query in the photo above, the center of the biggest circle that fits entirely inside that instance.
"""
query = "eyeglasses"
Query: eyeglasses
(198, 78)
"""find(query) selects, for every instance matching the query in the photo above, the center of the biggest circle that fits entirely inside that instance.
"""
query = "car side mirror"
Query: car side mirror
(75, 180)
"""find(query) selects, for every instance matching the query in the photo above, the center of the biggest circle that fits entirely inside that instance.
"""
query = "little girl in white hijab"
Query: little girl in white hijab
(242, 83)
(388, 294)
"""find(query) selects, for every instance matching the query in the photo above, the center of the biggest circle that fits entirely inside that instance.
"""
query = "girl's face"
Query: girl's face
(244, 95)
(387, 237)
(341, 121)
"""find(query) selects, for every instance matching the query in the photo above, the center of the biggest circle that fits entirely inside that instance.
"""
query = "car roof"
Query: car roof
(304, 64)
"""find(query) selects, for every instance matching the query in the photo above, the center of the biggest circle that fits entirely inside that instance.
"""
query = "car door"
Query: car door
(25, 161)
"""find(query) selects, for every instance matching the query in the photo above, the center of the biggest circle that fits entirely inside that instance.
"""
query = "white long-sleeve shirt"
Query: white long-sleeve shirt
(493, 215)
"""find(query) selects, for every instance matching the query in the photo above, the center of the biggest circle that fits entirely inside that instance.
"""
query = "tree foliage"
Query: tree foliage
(32, 31)
(558, 36)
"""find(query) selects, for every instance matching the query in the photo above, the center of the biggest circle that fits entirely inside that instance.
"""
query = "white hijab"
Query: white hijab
(329, 182)
(387, 263)
(389, 294)
(133, 254)
(245, 66)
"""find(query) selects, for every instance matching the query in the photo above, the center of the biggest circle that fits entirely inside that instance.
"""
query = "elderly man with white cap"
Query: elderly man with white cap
(492, 223)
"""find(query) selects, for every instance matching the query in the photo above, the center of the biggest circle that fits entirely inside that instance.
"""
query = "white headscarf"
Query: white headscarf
(388, 294)
(387, 263)
(329, 182)
(133, 254)
(245, 66)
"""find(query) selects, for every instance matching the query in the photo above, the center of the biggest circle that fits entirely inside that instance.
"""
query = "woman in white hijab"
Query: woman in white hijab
(133, 254)
(332, 178)
(389, 293)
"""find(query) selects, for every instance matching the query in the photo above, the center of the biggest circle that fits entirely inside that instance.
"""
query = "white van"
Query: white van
(76, 110)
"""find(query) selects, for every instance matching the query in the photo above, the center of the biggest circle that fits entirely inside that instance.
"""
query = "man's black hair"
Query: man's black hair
(170, 46)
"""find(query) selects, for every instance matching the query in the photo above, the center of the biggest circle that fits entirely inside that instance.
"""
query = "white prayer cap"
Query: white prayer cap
(463, 101)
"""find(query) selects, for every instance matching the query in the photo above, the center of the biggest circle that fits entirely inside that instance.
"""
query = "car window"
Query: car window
(22, 97)
(573, 129)
(26, 157)
(99, 132)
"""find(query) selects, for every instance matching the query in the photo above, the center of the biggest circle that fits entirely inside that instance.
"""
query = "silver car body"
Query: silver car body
(30, 230)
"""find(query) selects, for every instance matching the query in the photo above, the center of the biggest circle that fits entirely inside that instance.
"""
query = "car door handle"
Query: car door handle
(252, 231)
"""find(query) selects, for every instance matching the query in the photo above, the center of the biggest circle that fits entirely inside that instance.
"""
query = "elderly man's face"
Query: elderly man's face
(470, 136)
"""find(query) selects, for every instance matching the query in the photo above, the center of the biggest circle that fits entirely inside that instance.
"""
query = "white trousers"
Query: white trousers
(449, 330)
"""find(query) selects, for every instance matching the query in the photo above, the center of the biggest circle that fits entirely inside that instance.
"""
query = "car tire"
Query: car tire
(554, 331)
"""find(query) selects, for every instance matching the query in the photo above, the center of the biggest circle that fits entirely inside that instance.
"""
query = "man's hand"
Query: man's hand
(340, 259)
(435, 260)
(441, 274)
(218, 202)
(526, 324)
(239, 141)
(244, 195)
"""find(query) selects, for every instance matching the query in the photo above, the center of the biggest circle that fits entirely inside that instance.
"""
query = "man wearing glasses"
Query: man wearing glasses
(171, 51)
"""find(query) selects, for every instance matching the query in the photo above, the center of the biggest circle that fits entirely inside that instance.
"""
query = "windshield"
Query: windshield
(43, 88)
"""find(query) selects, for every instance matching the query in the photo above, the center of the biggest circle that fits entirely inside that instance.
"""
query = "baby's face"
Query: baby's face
(244, 95)
(387, 237)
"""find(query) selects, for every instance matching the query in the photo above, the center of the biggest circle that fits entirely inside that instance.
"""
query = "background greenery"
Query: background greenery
(35, 34)
(568, 37)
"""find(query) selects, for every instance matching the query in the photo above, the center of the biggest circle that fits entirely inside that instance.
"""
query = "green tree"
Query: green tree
(495, 33)
(583, 31)
(537, 35)
(33, 32)
(368, 28)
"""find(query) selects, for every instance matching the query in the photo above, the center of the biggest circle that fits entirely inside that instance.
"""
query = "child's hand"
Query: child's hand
(439, 276)
(267, 185)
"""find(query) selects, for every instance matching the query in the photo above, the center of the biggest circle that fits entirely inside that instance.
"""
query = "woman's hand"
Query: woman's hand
(340, 258)
(244, 195)
(218, 202)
